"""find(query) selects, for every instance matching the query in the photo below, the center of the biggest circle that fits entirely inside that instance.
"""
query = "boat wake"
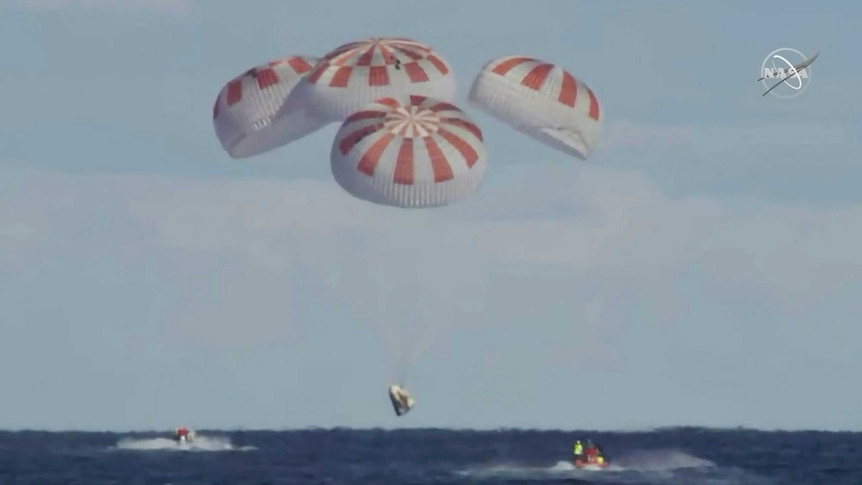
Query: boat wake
(641, 467)
(201, 443)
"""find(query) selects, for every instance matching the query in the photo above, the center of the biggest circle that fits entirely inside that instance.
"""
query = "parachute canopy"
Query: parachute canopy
(248, 112)
(542, 100)
(355, 74)
(402, 401)
(413, 151)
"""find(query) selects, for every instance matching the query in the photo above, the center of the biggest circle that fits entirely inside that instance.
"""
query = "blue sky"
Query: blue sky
(702, 268)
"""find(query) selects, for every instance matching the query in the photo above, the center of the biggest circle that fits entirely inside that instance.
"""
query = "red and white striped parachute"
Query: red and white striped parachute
(247, 113)
(355, 74)
(412, 151)
(541, 100)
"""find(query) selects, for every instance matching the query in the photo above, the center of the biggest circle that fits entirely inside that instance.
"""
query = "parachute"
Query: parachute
(402, 401)
(355, 74)
(414, 151)
(403, 143)
(541, 100)
(249, 111)
(408, 152)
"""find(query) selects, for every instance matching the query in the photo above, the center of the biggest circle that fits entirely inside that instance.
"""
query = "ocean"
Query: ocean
(684, 456)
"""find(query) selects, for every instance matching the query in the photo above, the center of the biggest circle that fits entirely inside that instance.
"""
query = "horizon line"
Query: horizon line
(313, 428)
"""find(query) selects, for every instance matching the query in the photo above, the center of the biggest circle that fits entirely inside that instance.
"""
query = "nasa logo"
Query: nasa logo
(779, 76)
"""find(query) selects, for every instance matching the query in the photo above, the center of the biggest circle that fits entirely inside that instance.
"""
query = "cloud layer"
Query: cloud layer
(549, 272)
(166, 6)
(614, 231)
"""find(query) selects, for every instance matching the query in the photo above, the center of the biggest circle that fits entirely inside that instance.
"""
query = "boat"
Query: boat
(184, 436)
(590, 463)
(592, 457)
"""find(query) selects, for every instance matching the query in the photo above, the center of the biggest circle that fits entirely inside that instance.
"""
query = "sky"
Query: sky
(702, 268)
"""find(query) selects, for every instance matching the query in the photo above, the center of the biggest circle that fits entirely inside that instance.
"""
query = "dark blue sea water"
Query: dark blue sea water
(351, 457)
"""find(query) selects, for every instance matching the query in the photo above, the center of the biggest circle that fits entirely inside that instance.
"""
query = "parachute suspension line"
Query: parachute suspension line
(416, 117)
(410, 319)
(403, 320)
(382, 318)
(403, 354)
(400, 319)
(429, 318)
(420, 321)
(425, 342)
(390, 321)
(427, 334)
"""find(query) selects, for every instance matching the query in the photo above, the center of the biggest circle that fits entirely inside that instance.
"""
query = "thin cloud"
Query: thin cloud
(729, 138)
(166, 6)
(592, 235)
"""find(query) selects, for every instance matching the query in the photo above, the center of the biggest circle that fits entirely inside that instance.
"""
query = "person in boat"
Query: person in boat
(593, 453)
(182, 433)
(578, 450)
